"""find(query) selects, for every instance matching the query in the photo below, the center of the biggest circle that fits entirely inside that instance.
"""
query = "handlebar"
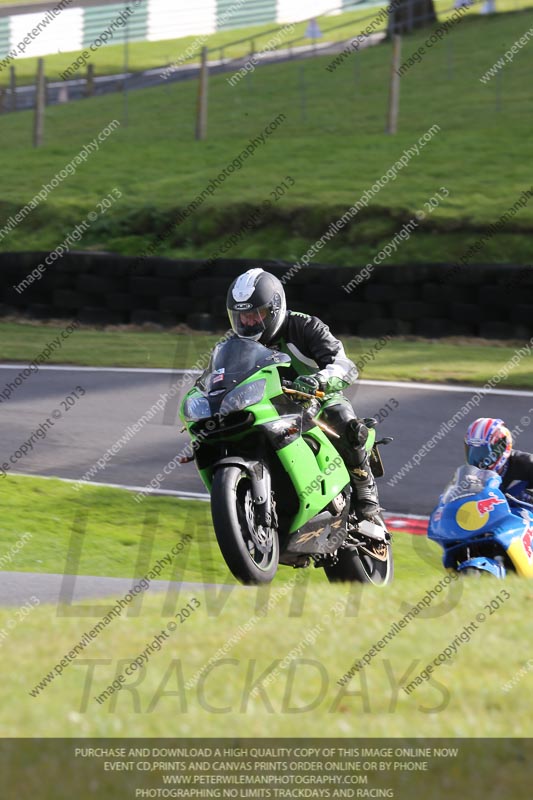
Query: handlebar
(322, 425)
(286, 386)
(515, 501)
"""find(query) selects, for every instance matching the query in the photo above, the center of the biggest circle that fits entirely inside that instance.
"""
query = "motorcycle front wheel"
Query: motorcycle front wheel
(250, 550)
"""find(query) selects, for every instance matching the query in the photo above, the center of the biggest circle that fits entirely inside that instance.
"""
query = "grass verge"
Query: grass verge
(297, 647)
(471, 362)
(99, 531)
(324, 630)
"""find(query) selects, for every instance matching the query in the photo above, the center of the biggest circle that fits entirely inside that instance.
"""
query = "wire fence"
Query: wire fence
(344, 88)
(337, 82)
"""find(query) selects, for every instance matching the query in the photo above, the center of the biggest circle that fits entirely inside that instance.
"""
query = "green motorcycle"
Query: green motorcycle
(280, 493)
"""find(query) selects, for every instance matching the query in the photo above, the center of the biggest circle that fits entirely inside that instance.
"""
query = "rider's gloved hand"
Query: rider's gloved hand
(310, 384)
(334, 385)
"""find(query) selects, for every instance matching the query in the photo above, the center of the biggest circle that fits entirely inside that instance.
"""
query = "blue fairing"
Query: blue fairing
(485, 565)
(473, 511)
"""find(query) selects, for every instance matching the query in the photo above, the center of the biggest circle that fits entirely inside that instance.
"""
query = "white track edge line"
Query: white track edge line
(149, 491)
(203, 497)
(435, 387)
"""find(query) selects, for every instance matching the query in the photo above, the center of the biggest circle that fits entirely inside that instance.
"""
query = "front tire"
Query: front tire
(250, 550)
(471, 572)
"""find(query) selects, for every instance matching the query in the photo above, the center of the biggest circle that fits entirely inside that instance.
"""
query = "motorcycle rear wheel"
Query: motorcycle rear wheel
(250, 551)
(356, 565)
(356, 569)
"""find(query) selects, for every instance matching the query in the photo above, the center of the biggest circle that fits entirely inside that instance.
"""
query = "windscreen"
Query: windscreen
(235, 360)
(470, 480)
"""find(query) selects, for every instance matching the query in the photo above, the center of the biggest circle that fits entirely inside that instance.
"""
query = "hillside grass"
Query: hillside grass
(331, 143)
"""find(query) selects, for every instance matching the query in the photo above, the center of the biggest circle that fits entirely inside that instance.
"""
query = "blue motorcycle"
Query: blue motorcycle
(481, 529)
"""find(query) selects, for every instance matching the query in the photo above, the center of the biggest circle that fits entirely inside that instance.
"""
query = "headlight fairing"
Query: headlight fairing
(196, 408)
(242, 397)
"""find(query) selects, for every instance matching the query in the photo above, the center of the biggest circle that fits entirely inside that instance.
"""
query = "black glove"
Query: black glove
(310, 384)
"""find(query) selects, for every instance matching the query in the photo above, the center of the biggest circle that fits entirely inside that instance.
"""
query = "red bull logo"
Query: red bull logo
(474, 514)
(485, 506)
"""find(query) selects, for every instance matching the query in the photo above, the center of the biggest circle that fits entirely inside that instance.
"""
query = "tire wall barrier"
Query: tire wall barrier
(434, 300)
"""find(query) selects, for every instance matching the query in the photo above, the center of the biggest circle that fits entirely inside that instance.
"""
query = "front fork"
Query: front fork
(261, 487)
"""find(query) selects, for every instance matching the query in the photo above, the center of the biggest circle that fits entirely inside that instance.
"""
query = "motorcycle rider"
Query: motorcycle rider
(489, 445)
(257, 310)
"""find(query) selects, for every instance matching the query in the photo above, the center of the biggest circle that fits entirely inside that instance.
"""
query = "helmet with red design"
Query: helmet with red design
(488, 444)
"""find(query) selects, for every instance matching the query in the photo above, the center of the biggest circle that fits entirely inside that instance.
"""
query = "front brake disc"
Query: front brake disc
(262, 537)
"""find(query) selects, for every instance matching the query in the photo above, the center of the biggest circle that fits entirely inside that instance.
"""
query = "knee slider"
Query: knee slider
(357, 433)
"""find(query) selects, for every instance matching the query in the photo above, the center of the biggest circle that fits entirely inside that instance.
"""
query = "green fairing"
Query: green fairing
(302, 466)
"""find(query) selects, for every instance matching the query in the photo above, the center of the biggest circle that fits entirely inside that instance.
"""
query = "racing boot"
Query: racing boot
(365, 502)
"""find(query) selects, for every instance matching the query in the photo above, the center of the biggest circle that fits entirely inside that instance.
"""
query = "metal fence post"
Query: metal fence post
(13, 87)
(394, 86)
(126, 67)
(303, 94)
(40, 103)
(89, 85)
(62, 94)
(201, 108)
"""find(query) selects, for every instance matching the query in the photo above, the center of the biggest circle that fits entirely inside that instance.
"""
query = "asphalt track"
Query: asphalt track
(116, 399)
(17, 588)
